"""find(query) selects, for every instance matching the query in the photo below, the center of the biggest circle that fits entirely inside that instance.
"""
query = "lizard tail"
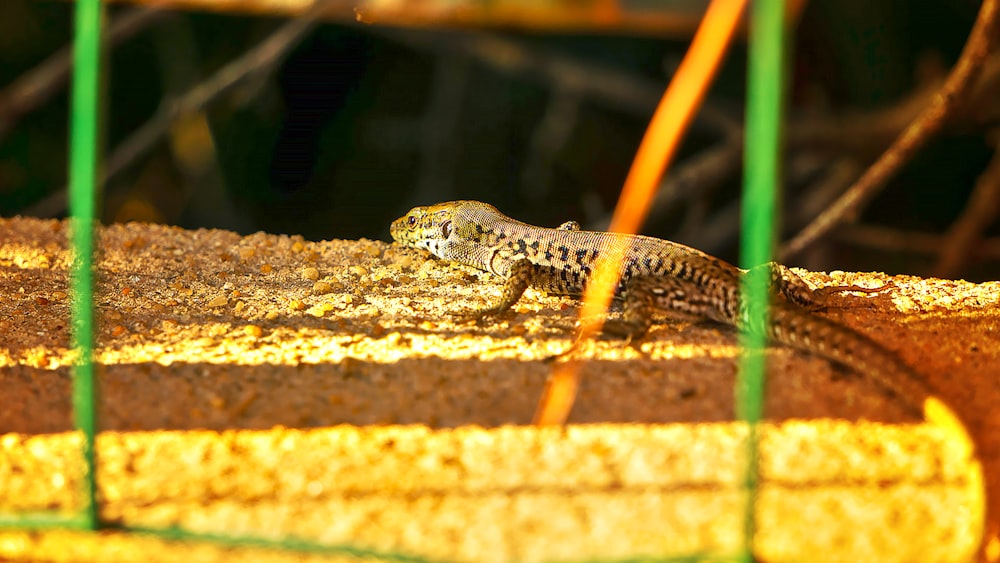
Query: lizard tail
(844, 346)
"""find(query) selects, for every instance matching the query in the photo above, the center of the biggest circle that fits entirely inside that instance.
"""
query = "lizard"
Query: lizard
(658, 276)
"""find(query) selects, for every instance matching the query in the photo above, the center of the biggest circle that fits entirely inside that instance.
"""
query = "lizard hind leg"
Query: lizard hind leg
(795, 290)
(782, 281)
(645, 296)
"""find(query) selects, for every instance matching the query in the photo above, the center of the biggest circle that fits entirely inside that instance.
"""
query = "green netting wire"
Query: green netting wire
(761, 179)
(82, 194)
(765, 88)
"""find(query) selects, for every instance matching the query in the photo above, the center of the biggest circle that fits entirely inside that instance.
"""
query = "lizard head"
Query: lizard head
(451, 231)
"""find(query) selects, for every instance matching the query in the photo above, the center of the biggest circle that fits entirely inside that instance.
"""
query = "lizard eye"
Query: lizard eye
(411, 220)
(446, 229)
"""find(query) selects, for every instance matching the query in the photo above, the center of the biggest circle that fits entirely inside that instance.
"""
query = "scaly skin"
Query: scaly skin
(658, 276)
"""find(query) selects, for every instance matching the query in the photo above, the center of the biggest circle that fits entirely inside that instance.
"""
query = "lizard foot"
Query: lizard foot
(478, 316)
(822, 294)
(618, 329)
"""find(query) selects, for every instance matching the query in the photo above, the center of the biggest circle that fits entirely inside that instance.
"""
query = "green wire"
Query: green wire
(761, 182)
(82, 177)
(285, 543)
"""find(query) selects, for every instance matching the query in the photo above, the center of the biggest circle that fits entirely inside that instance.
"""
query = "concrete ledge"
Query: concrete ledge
(273, 386)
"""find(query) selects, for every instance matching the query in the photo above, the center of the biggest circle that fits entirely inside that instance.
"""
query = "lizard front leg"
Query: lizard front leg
(518, 279)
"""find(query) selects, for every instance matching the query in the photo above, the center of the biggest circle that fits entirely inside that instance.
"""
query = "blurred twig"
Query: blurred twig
(35, 87)
(438, 129)
(692, 178)
(863, 133)
(915, 242)
(573, 81)
(980, 211)
(617, 89)
(262, 58)
(823, 181)
(955, 91)
(550, 136)
(818, 195)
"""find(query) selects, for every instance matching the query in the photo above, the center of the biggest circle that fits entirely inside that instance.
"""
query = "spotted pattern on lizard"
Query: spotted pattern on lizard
(658, 277)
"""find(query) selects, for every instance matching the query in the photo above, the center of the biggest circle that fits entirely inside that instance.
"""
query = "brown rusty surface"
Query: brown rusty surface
(272, 386)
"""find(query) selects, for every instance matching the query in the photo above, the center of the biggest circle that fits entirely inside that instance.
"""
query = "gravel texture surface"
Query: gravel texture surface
(270, 386)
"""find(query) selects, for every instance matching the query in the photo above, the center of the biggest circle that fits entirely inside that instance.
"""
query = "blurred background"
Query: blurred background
(331, 128)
